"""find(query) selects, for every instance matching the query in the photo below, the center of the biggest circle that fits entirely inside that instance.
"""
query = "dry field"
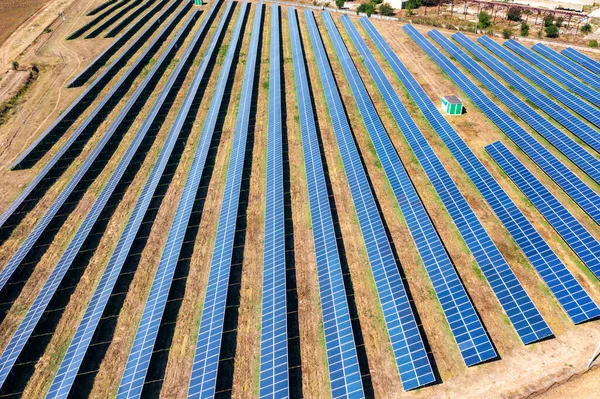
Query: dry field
(550, 369)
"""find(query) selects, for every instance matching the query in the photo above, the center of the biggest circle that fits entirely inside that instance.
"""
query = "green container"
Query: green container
(452, 105)
(198, 2)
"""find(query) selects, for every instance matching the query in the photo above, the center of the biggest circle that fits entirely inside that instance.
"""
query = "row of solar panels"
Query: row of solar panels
(412, 361)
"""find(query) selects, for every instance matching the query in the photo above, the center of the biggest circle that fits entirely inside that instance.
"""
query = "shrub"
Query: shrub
(367, 8)
(559, 22)
(548, 20)
(593, 43)
(586, 28)
(552, 31)
(339, 3)
(507, 33)
(524, 29)
(514, 14)
(386, 9)
(484, 20)
(15, 65)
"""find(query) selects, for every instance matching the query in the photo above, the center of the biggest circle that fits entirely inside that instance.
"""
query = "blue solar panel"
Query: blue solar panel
(582, 59)
(584, 109)
(521, 311)
(75, 108)
(35, 312)
(570, 229)
(569, 147)
(78, 347)
(208, 346)
(569, 293)
(547, 104)
(344, 372)
(64, 151)
(406, 341)
(80, 175)
(143, 344)
(468, 331)
(578, 190)
(585, 76)
(274, 381)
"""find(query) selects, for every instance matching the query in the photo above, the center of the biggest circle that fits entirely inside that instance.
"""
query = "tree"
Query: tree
(552, 31)
(514, 14)
(524, 29)
(339, 3)
(507, 33)
(386, 9)
(548, 20)
(593, 43)
(587, 28)
(559, 22)
(484, 20)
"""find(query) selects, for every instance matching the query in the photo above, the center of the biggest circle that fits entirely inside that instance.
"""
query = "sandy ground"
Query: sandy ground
(521, 371)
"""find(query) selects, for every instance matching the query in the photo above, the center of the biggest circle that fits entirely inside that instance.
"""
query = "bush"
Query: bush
(15, 65)
(524, 29)
(386, 10)
(552, 31)
(484, 20)
(339, 3)
(548, 20)
(593, 43)
(514, 14)
(507, 33)
(559, 22)
(586, 28)
(367, 8)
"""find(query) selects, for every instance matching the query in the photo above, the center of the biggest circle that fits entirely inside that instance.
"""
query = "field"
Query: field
(552, 368)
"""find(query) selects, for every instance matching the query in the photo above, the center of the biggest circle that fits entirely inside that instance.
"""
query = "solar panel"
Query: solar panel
(468, 331)
(78, 347)
(29, 244)
(143, 36)
(116, 16)
(274, 336)
(568, 292)
(582, 59)
(66, 119)
(578, 190)
(585, 77)
(344, 372)
(406, 341)
(578, 127)
(206, 358)
(569, 147)
(94, 21)
(570, 229)
(584, 109)
(141, 352)
(519, 308)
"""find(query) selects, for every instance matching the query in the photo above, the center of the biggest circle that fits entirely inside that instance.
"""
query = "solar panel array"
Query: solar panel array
(552, 70)
(569, 147)
(342, 361)
(86, 329)
(116, 16)
(521, 311)
(468, 331)
(582, 59)
(68, 116)
(578, 190)
(547, 104)
(406, 341)
(570, 229)
(85, 27)
(581, 107)
(274, 378)
(29, 244)
(141, 352)
(203, 379)
(144, 35)
(585, 76)
(36, 311)
(569, 293)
